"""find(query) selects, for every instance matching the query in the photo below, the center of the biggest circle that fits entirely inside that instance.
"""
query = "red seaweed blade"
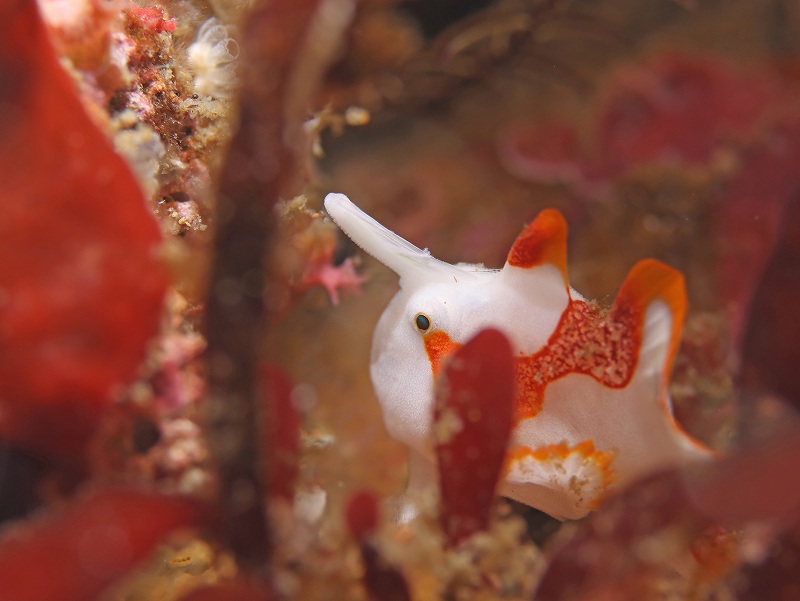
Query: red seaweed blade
(382, 581)
(235, 591)
(282, 423)
(82, 285)
(473, 415)
(84, 548)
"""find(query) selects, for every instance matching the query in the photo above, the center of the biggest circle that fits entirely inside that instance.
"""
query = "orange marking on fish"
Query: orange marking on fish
(590, 461)
(544, 240)
(585, 341)
(649, 280)
(439, 346)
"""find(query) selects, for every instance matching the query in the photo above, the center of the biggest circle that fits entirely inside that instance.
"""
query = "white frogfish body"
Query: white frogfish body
(591, 408)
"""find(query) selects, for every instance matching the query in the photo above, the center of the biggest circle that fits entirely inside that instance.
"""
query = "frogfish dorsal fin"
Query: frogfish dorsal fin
(536, 267)
(543, 241)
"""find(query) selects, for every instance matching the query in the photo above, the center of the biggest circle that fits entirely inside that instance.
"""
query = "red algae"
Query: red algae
(87, 545)
(152, 17)
(673, 109)
(756, 216)
(473, 418)
(83, 287)
(282, 422)
(234, 591)
(361, 514)
(679, 108)
(776, 577)
(382, 581)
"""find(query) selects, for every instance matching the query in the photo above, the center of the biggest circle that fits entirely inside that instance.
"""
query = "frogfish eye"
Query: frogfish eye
(422, 322)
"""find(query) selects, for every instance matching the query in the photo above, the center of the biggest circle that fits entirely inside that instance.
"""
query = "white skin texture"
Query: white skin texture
(631, 425)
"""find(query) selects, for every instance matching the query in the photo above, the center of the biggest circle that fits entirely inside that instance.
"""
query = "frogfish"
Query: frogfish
(592, 410)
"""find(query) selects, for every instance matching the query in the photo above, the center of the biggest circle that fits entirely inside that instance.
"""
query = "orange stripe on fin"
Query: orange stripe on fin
(647, 281)
(544, 240)
(651, 280)
(582, 469)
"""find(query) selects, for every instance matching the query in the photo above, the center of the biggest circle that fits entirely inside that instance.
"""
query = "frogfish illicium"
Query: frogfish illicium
(592, 409)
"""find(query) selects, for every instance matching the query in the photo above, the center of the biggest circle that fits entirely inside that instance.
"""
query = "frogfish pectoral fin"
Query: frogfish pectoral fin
(653, 299)
(652, 304)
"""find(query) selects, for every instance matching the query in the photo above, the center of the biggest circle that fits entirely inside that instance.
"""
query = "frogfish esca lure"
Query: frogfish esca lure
(591, 409)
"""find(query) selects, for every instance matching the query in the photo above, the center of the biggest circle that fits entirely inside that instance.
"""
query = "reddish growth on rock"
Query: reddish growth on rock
(282, 424)
(679, 109)
(236, 591)
(672, 110)
(361, 514)
(152, 17)
(381, 581)
(84, 548)
(82, 286)
(473, 418)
